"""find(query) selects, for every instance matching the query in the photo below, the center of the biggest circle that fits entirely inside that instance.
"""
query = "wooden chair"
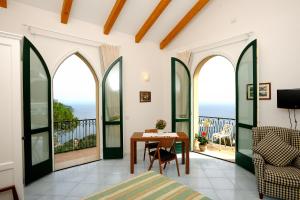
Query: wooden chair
(163, 155)
(150, 145)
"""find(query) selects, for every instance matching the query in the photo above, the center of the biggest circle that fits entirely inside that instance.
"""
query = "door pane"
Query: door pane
(245, 141)
(182, 91)
(112, 136)
(182, 127)
(38, 93)
(245, 88)
(112, 94)
(40, 147)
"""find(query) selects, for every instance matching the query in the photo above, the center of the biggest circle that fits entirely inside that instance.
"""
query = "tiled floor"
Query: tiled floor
(215, 178)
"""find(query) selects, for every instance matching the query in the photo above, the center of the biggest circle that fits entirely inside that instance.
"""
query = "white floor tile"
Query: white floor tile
(214, 178)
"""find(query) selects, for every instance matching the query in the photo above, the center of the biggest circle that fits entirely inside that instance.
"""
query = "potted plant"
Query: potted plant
(202, 139)
(160, 124)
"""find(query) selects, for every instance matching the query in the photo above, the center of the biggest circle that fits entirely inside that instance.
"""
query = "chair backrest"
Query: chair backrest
(167, 142)
(227, 129)
(153, 130)
(288, 135)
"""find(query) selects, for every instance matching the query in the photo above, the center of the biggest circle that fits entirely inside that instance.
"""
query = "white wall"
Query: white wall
(276, 26)
(137, 58)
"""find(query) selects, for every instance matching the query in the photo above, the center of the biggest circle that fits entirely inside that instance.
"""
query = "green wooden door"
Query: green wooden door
(37, 114)
(112, 111)
(246, 105)
(181, 98)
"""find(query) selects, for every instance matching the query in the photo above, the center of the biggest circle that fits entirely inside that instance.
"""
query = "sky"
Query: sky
(217, 82)
(74, 82)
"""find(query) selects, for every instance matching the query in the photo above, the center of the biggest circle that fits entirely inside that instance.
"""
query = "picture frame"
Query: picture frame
(264, 91)
(145, 96)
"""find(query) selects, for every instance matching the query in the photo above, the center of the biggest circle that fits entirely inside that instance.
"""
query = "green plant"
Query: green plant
(160, 124)
(202, 139)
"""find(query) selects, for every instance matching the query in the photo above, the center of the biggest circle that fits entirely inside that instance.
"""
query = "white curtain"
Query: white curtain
(186, 57)
(109, 54)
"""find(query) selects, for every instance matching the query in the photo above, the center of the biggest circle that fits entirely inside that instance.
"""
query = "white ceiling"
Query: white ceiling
(131, 18)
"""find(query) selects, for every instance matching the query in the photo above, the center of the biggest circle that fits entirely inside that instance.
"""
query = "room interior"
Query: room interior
(149, 46)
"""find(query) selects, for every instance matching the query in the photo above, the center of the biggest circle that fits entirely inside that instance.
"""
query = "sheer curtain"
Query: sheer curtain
(109, 54)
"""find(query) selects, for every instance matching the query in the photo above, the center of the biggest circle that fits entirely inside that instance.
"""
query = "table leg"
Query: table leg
(187, 151)
(131, 156)
(183, 152)
(135, 156)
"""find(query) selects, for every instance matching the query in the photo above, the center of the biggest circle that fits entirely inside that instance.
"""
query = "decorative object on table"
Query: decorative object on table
(264, 91)
(160, 125)
(148, 185)
(145, 96)
(202, 139)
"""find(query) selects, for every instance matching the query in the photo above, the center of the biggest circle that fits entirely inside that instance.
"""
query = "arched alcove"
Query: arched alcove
(75, 90)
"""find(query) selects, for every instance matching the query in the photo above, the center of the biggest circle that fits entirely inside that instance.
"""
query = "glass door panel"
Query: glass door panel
(246, 110)
(38, 92)
(37, 114)
(181, 98)
(112, 111)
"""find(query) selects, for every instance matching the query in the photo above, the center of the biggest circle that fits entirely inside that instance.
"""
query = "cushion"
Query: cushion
(288, 176)
(275, 151)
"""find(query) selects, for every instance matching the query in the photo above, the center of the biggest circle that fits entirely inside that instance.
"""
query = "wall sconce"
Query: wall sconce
(145, 76)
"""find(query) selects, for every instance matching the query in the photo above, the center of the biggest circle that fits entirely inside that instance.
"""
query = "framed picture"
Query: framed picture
(264, 91)
(145, 96)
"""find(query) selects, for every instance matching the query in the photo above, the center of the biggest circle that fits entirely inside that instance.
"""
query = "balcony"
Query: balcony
(75, 143)
(225, 150)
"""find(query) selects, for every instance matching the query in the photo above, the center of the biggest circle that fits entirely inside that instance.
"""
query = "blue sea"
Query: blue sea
(84, 110)
(217, 110)
(88, 110)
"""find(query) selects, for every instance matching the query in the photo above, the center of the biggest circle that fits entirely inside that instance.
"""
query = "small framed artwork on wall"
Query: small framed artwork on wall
(145, 96)
(264, 91)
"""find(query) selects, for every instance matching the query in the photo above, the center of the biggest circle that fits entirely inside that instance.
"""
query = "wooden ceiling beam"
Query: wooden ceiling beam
(113, 16)
(183, 22)
(3, 3)
(65, 11)
(161, 6)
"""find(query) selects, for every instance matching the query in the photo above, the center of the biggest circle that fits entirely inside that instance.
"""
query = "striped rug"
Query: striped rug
(148, 186)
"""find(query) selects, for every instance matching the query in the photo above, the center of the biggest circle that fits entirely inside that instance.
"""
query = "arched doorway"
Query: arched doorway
(75, 113)
(214, 106)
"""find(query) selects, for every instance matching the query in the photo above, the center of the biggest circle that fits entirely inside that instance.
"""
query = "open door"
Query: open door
(181, 98)
(37, 114)
(112, 111)
(246, 105)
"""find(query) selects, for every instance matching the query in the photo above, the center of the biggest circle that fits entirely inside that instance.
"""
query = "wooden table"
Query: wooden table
(138, 137)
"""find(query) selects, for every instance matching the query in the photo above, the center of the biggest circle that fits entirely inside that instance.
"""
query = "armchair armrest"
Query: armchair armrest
(259, 166)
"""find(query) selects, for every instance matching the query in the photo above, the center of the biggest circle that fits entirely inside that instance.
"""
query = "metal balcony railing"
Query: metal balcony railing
(74, 135)
(216, 124)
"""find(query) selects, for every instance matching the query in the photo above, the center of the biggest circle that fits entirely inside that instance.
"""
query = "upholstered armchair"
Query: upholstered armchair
(276, 157)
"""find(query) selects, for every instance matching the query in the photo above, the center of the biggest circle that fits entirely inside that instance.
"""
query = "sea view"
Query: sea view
(84, 110)
(217, 110)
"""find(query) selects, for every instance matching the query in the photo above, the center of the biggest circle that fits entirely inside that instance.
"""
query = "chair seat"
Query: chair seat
(164, 155)
(288, 176)
(152, 145)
